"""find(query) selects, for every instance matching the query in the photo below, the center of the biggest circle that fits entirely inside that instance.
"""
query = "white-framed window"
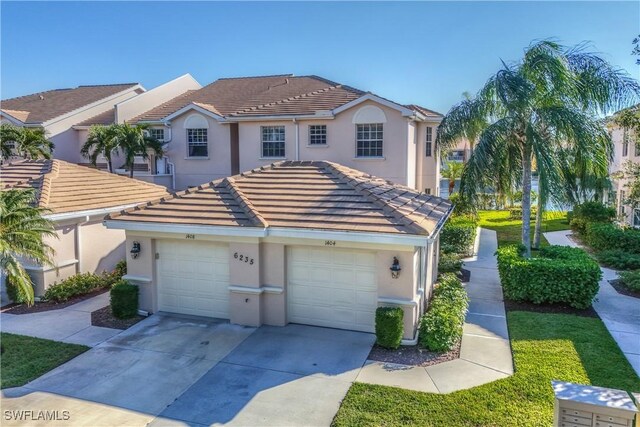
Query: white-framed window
(636, 218)
(317, 134)
(429, 142)
(369, 138)
(272, 141)
(625, 143)
(197, 143)
(157, 133)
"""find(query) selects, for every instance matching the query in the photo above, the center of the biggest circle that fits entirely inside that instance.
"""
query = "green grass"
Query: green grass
(26, 358)
(545, 347)
(510, 231)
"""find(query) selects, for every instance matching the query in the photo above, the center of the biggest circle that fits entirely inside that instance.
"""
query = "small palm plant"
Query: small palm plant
(452, 171)
(136, 141)
(22, 232)
(101, 141)
(30, 143)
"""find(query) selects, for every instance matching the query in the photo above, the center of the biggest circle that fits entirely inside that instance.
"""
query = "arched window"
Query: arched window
(197, 129)
(369, 121)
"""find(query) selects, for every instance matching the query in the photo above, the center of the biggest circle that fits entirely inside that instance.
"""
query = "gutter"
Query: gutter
(88, 213)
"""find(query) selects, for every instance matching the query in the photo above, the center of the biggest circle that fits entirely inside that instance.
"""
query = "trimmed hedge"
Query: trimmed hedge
(458, 235)
(619, 259)
(559, 274)
(631, 280)
(603, 236)
(389, 326)
(449, 263)
(79, 284)
(441, 326)
(590, 212)
(124, 299)
(516, 213)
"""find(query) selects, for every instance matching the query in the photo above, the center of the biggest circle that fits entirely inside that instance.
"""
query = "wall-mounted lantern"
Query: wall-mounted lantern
(135, 250)
(395, 268)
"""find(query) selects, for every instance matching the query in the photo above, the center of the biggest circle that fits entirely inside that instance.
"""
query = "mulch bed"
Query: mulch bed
(412, 355)
(105, 319)
(622, 289)
(464, 275)
(549, 308)
(49, 305)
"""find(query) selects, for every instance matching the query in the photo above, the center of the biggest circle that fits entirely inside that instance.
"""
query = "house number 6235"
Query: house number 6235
(243, 258)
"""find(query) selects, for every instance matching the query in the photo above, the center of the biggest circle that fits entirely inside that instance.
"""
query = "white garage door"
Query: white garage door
(331, 287)
(193, 278)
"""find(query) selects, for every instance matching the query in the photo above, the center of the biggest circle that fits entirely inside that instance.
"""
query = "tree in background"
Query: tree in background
(452, 171)
(30, 143)
(101, 141)
(135, 141)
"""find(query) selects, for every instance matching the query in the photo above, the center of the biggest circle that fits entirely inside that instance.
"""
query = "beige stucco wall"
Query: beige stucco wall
(617, 165)
(427, 168)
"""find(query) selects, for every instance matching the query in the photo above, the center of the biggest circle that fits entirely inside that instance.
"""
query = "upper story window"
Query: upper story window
(272, 141)
(157, 133)
(317, 134)
(197, 143)
(636, 217)
(625, 143)
(369, 138)
(456, 156)
(429, 142)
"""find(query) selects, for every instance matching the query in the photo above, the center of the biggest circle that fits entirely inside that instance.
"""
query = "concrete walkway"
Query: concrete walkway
(620, 313)
(485, 353)
(71, 324)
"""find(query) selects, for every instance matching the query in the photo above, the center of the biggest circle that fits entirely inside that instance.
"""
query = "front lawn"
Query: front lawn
(26, 358)
(545, 347)
(510, 230)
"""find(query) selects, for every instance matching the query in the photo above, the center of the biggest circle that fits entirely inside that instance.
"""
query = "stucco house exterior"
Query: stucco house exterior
(78, 198)
(625, 148)
(309, 242)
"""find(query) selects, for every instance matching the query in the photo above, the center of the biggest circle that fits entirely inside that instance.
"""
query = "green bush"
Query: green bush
(631, 280)
(449, 263)
(590, 212)
(441, 326)
(462, 206)
(79, 284)
(389, 326)
(14, 293)
(605, 236)
(120, 269)
(124, 299)
(458, 235)
(559, 274)
(516, 213)
(619, 259)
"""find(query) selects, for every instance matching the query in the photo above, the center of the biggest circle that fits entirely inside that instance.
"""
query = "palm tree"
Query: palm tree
(22, 232)
(136, 141)
(452, 171)
(101, 140)
(534, 108)
(30, 143)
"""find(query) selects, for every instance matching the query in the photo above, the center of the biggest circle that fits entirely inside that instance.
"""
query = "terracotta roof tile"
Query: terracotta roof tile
(106, 118)
(65, 187)
(318, 195)
(424, 111)
(42, 106)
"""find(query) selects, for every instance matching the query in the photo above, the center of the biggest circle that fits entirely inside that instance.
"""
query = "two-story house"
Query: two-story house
(625, 149)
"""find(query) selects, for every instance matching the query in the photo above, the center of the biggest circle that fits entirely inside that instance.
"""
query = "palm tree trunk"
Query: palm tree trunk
(526, 199)
(110, 164)
(131, 170)
(538, 230)
(452, 185)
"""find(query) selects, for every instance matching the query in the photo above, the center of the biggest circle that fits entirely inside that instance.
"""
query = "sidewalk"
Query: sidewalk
(620, 313)
(485, 352)
(71, 324)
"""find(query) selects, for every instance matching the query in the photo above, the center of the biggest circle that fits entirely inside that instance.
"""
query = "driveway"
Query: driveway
(191, 371)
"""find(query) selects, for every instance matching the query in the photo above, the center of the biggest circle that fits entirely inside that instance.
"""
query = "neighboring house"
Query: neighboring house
(302, 242)
(236, 124)
(78, 199)
(625, 148)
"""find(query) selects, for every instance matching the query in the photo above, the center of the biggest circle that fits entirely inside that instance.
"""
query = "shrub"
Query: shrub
(590, 212)
(441, 326)
(462, 206)
(79, 284)
(458, 235)
(124, 299)
(559, 274)
(14, 293)
(604, 236)
(516, 213)
(449, 263)
(389, 326)
(631, 280)
(120, 269)
(619, 259)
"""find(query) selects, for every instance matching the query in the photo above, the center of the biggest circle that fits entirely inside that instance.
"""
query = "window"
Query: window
(429, 141)
(197, 143)
(272, 141)
(636, 217)
(456, 156)
(157, 133)
(622, 197)
(625, 143)
(427, 191)
(317, 134)
(369, 140)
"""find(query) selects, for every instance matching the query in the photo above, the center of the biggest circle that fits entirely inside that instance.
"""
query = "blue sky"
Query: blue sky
(426, 53)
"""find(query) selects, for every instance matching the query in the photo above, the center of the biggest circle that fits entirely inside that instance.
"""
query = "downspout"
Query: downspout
(172, 167)
(79, 243)
(295, 122)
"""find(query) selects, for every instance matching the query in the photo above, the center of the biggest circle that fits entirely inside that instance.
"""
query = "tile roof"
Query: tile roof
(424, 111)
(106, 118)
(301, 194)
(66, 187)
(42, 106)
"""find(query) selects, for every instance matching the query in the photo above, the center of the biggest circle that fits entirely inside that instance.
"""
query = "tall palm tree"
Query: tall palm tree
(30, 143)
(546, 101)
(101, 140)
(136, 141)
(22, 232)
(452, 171)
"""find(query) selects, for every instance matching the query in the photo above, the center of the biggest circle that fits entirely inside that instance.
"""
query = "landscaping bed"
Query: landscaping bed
(38, 307)
(105, 319)
(413, 355)
(622, 289)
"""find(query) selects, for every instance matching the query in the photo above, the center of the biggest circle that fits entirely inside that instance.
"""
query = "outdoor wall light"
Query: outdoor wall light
(395, 268)
(135, 250)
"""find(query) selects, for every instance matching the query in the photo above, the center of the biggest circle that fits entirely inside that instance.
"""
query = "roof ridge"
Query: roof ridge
(47, 178)
(291, 98)
(244, 202)
(255, 77)
(374, 198)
